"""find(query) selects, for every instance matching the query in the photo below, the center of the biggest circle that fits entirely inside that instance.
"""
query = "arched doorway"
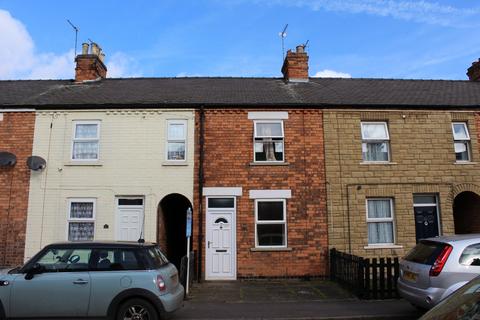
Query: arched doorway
(466, 213)
(171, 233)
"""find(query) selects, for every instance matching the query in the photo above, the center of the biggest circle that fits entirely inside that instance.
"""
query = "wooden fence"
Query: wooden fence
(367, 278)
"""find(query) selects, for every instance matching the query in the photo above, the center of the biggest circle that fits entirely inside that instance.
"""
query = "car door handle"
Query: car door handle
(80, 281)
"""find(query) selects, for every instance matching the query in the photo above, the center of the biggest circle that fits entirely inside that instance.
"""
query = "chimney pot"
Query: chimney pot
(85, 48)
(300, 49)
(95, 49)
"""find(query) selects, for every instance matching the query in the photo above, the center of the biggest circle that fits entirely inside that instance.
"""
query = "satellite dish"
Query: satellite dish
(36, 163)
(7, 159)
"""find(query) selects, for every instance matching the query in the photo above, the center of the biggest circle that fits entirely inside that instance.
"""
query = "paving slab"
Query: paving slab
(285, 299)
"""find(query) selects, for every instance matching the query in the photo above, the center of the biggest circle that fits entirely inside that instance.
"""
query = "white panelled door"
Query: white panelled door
(220, 245)
(129, 219)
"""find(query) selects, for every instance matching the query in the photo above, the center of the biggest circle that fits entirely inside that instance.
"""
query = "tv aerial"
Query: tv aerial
(305, 45)
(283, 35)
(76, 35)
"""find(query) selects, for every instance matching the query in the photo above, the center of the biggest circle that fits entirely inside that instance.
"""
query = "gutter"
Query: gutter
(201, 179)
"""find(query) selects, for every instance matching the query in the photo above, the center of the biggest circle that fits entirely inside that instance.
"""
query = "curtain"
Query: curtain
(374, 131)
(85, 150)
(176, 151)
(269, 129)
(176, 131)
(379, 209)
(78, 231)
(86, 131)
(81, 210)
(380, 232)
(375, 151)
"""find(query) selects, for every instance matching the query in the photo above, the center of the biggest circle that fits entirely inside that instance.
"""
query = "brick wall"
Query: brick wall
(228, 163)
(422, 161)
(16, 136)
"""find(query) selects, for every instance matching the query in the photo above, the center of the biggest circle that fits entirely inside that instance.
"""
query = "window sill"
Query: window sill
(174, 163)
(465, 162)
(378, 163)
(83, 163)
(270, 249)
(386, 246)
(269, 163)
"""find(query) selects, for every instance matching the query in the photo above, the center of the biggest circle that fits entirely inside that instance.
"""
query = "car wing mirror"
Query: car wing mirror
(37, 268)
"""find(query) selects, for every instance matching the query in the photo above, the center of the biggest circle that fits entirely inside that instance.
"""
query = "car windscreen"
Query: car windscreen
(425, 252)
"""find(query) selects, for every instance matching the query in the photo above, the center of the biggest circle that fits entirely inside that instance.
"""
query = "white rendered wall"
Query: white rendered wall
(132, 163)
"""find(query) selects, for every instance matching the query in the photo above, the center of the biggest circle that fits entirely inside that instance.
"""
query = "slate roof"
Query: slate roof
(228, 92)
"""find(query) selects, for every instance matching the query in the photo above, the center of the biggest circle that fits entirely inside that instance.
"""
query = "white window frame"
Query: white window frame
(466, 140)
(70, 219)
(376, 220)
(255, 122)
(281, 222)
(370, 140)
(184, 140)
(74, 139)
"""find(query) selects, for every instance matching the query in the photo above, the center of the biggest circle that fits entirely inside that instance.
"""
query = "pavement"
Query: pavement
(285, 299)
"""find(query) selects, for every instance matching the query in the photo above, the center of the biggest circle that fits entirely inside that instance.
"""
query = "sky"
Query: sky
(410, 39)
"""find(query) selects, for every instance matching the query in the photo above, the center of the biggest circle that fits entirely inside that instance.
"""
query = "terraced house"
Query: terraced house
(276, 170)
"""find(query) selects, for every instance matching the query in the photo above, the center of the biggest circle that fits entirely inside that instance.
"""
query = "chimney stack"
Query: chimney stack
(90, 64)
(295, 66)
(473, 72)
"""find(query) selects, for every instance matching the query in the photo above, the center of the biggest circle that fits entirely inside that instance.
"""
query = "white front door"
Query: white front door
(129, 219)
(221, 245)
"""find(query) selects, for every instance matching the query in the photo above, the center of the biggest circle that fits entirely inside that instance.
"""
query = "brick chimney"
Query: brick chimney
(90, 64)
(473, 72)
(295, 66)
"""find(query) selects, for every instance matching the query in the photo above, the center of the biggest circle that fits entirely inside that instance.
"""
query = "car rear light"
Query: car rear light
(440, 261)
(161, 283)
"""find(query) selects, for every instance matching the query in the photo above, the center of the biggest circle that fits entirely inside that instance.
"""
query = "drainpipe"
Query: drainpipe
(201, 143)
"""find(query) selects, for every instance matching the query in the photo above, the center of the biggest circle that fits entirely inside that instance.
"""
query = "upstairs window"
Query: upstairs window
(268, 141)
(461, 141)
(375, 142)
(176, 140)
(85, 145)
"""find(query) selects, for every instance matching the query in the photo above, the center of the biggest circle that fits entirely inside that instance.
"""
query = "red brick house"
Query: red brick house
(263, 183)
(16, 138)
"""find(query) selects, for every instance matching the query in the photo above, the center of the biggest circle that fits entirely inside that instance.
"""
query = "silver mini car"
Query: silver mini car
(111, 280)
(438, 266)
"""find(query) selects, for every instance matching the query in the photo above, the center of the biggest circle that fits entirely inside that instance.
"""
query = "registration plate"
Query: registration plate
(409, 276)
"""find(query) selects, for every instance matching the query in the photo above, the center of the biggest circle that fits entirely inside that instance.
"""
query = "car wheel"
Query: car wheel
(137, 309)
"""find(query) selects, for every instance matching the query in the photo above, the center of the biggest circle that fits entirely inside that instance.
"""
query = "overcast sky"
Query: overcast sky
(174, 38)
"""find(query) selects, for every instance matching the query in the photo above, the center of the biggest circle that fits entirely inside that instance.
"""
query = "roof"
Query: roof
(456, 238)
(102, 244)
(227, 92)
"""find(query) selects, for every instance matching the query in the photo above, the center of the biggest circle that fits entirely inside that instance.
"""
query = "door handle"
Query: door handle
(80, 281)
(208, 242)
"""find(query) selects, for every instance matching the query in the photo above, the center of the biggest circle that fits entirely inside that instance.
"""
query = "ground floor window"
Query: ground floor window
(380, 221)
(270, 223)
(81, 219)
